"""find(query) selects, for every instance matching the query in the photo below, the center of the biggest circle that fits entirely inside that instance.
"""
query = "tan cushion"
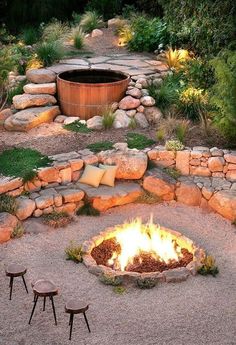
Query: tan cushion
(110, 173)
(92, 175)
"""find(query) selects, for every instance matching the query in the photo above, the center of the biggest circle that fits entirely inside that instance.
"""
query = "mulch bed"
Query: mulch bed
(104, 251)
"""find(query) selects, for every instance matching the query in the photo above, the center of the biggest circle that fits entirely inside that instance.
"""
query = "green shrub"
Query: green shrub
(208, 266)
(21, 55)
(223, 94)
(5, 36)
(18, 231)
(7, 64)
(108, 279)
(108, 118)
(78, 37)
(119, 290)
(202, 26)
(76, 17)
(50, 52)
(149, 34)
(174, 145)
(28, 161)
(54, 31)
(8, 204)
(77, 126)
(128, 11)
(173, 172)
(74, 252)
(57, 219)
(30, 35)
(16, 90)
(100, 146)
(146, 283)
(138, 141)
(90, 20)
(147, 198)
(88, 210)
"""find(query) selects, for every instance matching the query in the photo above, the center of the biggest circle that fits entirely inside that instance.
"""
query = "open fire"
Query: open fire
(142, 248)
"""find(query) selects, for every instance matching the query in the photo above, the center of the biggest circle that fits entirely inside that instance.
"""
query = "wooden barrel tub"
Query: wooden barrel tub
(86, 93)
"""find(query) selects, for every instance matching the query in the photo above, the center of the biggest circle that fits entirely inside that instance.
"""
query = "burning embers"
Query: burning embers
(137, 248)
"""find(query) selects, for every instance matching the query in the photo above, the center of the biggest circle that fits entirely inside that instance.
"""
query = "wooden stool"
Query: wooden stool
(44, 288)
(73, 307)
(16, 270)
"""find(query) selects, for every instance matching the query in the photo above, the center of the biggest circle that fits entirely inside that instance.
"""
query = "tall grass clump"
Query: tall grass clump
(90, 20)
(54, 31)
(78, 37)
(108, 118)
(50, 52)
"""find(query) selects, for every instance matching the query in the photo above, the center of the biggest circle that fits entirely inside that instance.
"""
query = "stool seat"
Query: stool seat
(15, 270)
(45, 288)
(76, 307)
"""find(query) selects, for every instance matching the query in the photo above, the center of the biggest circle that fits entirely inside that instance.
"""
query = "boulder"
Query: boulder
(159, 183)
(8, 183)
(49, 174)
(27, 119)
(95, 123)
(72, 195)
(44, 201)
(114, 22)
(153, 114)
(199, 171)
(40, 76)
(26, 100)
(60, 119)
(216, 164)
(25, 208)
(231, 175)
(189, 194)
(35, 89)
(131, 164)
(147, 101)
(224, 203)
(121, 119)
(7, 224)
(141, 120)
(105, 197)
(5, 113)
(230, 157)
(129, 102)
(96, 33)
(131, 112)
(134, 92)
(182, 162)
(143, 82)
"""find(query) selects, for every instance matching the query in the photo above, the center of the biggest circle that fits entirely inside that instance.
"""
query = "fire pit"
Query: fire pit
(135, 250)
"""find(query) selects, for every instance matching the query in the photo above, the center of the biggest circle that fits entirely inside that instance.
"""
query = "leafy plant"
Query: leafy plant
(109, 279)
(138, 141)
(28, 161)
(128, 11)
(119, 290)
(74, 252)
(174, 145)
(125, 34)
(8, 203)
(50, 52)
(174, 58)
(88, 210)
(108, 117)
(30, 35)
(173, 172)
(57, 219)
(147, 198)
(208, 266)
(223, 94)
(18, 231)
(16, 90)
(54, 31)
(7, 64)
(100, 146)
(149, 34)
(77, 126)
(146, 283)
(90, 20)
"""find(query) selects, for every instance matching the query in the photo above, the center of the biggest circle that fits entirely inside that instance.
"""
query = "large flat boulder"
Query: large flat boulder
(159, 183)
(131, 164)
(7, 224)
(27, 119)
(9, 183)
(188, 193)
(27, 101)
(35, 89)
(40, 76)
(224, 203)
(25, 208)
(105, 197)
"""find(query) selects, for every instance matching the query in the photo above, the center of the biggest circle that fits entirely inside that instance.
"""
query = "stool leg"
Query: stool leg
(44, 303)
(25, 284)
(11, 286)
(70, 319)
(86, 320)
(32, 313)
(53, 308)
(71, 324)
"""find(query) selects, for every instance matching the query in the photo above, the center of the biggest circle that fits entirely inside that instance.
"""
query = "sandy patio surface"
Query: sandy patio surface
(200, 311)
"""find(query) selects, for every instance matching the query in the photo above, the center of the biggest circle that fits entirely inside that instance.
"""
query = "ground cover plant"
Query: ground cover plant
(28, 161)
(77, 126)
(88, 210)
(138, 141)
(18, 231)
(208, 267)
(100, 146)
(8, 204)
(74, 252)
(57, 219)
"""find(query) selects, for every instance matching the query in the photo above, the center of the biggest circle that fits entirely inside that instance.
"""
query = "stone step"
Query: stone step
(27, 119)
(35, 89)
(26, 100)
(40, 76)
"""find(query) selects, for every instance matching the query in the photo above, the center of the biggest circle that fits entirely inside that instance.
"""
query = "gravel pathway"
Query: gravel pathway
(200, 311)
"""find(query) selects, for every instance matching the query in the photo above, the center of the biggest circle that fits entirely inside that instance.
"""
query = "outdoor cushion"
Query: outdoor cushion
(108, 178)
(92, 175)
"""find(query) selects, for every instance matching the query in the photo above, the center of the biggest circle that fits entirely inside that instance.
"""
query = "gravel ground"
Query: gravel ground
(200, 311)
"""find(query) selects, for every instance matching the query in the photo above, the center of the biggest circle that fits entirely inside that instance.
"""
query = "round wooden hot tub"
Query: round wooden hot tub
(86, 93)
